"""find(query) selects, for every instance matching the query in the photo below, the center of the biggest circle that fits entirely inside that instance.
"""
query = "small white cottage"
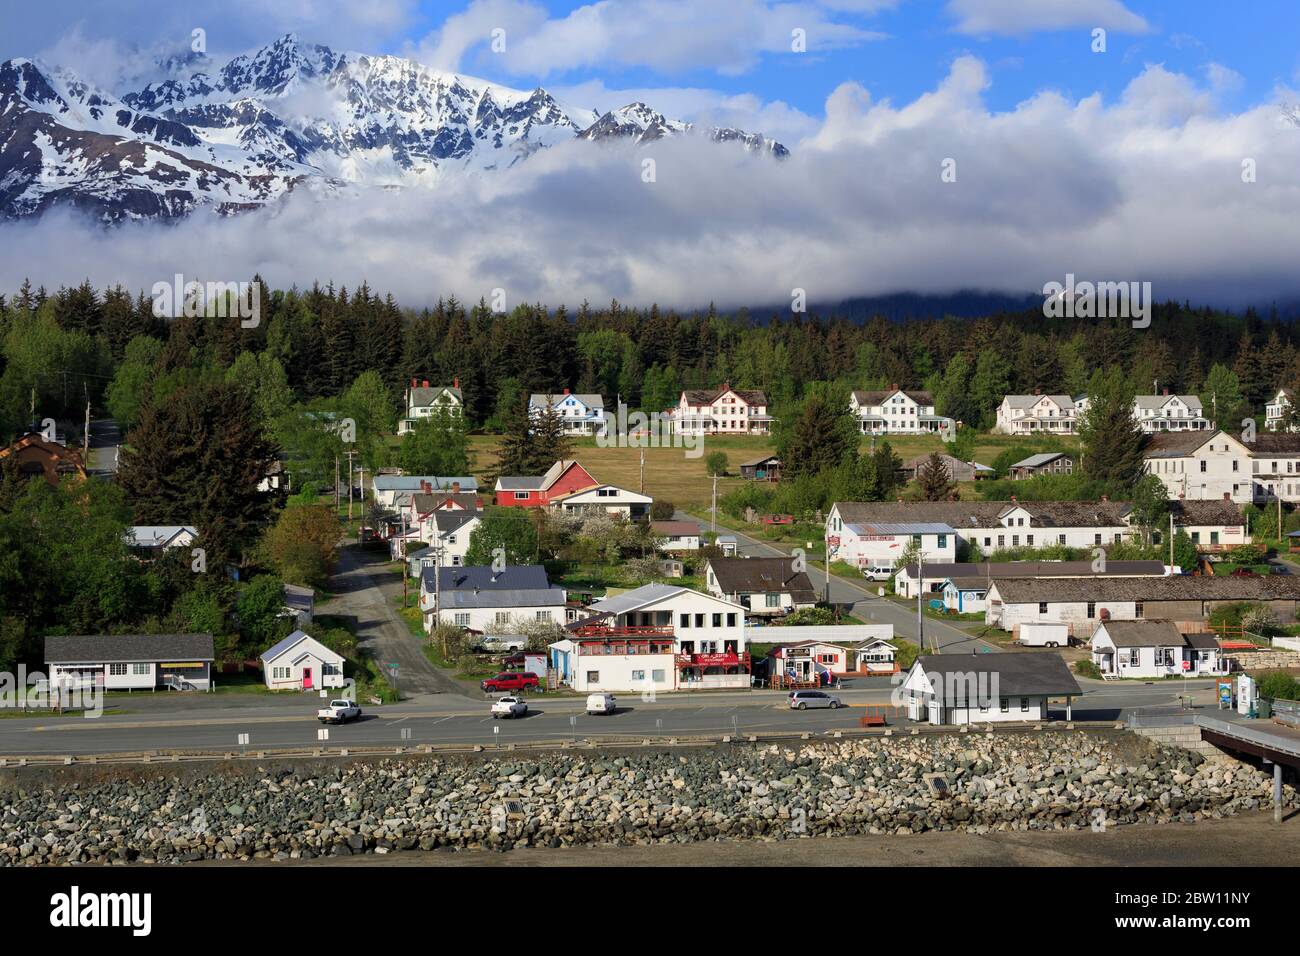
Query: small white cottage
(300, 662)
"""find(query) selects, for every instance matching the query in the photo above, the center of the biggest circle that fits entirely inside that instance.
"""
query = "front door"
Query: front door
(306, 678)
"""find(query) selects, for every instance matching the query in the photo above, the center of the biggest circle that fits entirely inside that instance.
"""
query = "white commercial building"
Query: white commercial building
(481, 598)
(1206, 466)
(130, 661)
(629, 640)
(972, 689)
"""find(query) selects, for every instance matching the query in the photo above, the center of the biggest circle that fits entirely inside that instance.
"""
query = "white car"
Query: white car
(803, 699)
(509, 707)
(601, 704)
(339, 712)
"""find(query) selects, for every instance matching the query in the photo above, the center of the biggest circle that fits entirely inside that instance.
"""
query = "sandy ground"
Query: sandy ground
(1248, 840)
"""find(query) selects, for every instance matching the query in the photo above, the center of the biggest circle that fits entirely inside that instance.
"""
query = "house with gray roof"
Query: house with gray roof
(1037, 415)
(481, 598)
(300, 662)
(973, 689)
(1046, 463)
(764, 587)
(130, 661)
(896, 411)
(580, 413)
(424, 400)
(153, 539)
(1155, 649)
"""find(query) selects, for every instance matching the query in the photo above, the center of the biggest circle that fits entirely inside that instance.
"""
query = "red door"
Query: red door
(306, 678)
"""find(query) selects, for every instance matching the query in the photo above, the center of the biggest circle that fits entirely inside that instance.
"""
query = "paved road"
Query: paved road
(367, 593)
(869, 606)
(105, 437)
(289, 721)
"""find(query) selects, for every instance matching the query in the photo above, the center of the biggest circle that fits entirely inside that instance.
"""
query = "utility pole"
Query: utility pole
(336, 484)
(1171, 539)
(920, 593)
(643, 471)
(350, 454)
(85, 439)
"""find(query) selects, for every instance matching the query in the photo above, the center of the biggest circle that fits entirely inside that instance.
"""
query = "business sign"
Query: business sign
(715, 660)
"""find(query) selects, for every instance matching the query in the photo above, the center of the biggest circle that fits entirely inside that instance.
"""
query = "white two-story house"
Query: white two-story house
(723, 411)
(1037, 415)
(579, 414)
(1276, 410)
(895, 411)
(1170, 413)
(423, 401)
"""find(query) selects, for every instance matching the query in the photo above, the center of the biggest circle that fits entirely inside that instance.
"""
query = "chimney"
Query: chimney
(1164, 391)
(455, 382)
(426, 383)
(414, 382)
(1226, 496)
(566, 391)
(1105, 497)
(455, 487)
(1013, 499)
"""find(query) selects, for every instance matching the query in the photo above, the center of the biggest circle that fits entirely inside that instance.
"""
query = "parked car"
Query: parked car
(1244, 573)
(338, 712)
(778, 519)
(509, 707)
(803, 699)
(601, 704)
(517, 680)
(878, 572)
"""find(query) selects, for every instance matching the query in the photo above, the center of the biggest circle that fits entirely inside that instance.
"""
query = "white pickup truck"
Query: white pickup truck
(509, 707)
(338, 712)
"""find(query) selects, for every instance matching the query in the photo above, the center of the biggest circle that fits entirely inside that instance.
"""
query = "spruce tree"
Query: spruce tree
(934, 479)
(1112, 440)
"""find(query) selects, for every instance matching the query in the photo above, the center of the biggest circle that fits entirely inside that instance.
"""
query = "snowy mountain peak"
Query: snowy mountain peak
(239, 136)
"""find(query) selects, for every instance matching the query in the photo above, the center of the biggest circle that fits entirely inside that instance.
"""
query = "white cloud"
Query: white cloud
(670, 36)
(1027, 16)
(1147, 188)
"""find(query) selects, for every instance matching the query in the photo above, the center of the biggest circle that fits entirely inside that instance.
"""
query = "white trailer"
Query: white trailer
(1044, 635)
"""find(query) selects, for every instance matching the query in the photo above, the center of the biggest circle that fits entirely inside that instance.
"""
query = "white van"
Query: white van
(878, 572)
(601, 704)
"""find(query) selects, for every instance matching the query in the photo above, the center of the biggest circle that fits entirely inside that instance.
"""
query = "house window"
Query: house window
(462, 619)
(699, 620)
(503, 617)
(773, 600)
(657, 676)
(1015, 541)
(731, 619)
(943, 541)
(1134, 657)
(117, 670)
(1060, 539)
(1092, 610)
(684, 620)
(717, 620)
(279, 673)
(1096, 539)
(542, 616)
(1137, 609)
(593, 677)
(638, 675)
(1029, 540)
(521, 496)
(330, 670)
(1005, 702)
(1042, 607)
(139, 670)
(1024, 703)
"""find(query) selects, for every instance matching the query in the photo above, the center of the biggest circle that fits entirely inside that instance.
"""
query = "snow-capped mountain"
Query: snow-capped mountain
(288, 115)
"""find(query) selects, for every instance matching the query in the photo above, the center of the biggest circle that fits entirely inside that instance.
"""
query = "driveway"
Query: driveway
(366, 591)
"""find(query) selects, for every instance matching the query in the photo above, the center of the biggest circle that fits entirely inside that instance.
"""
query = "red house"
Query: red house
(533, 491)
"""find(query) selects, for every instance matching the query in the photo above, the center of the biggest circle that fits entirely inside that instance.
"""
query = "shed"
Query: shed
(300, 662)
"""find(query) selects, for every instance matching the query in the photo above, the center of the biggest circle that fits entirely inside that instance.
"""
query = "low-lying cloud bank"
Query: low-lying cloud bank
(1150, 188)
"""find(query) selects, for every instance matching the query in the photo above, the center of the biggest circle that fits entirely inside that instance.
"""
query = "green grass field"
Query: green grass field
(670, 474)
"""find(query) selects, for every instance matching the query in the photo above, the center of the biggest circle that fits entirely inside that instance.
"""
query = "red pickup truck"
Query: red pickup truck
(778, 519)
(519, 680)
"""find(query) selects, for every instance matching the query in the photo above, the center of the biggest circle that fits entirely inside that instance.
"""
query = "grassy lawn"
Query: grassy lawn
(245, 683)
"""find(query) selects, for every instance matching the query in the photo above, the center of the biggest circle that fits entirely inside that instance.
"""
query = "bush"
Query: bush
(1279, 685)
(662, 510)
(1087, 669)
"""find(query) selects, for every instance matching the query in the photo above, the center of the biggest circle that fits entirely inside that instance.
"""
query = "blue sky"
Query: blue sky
(1167, 158)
